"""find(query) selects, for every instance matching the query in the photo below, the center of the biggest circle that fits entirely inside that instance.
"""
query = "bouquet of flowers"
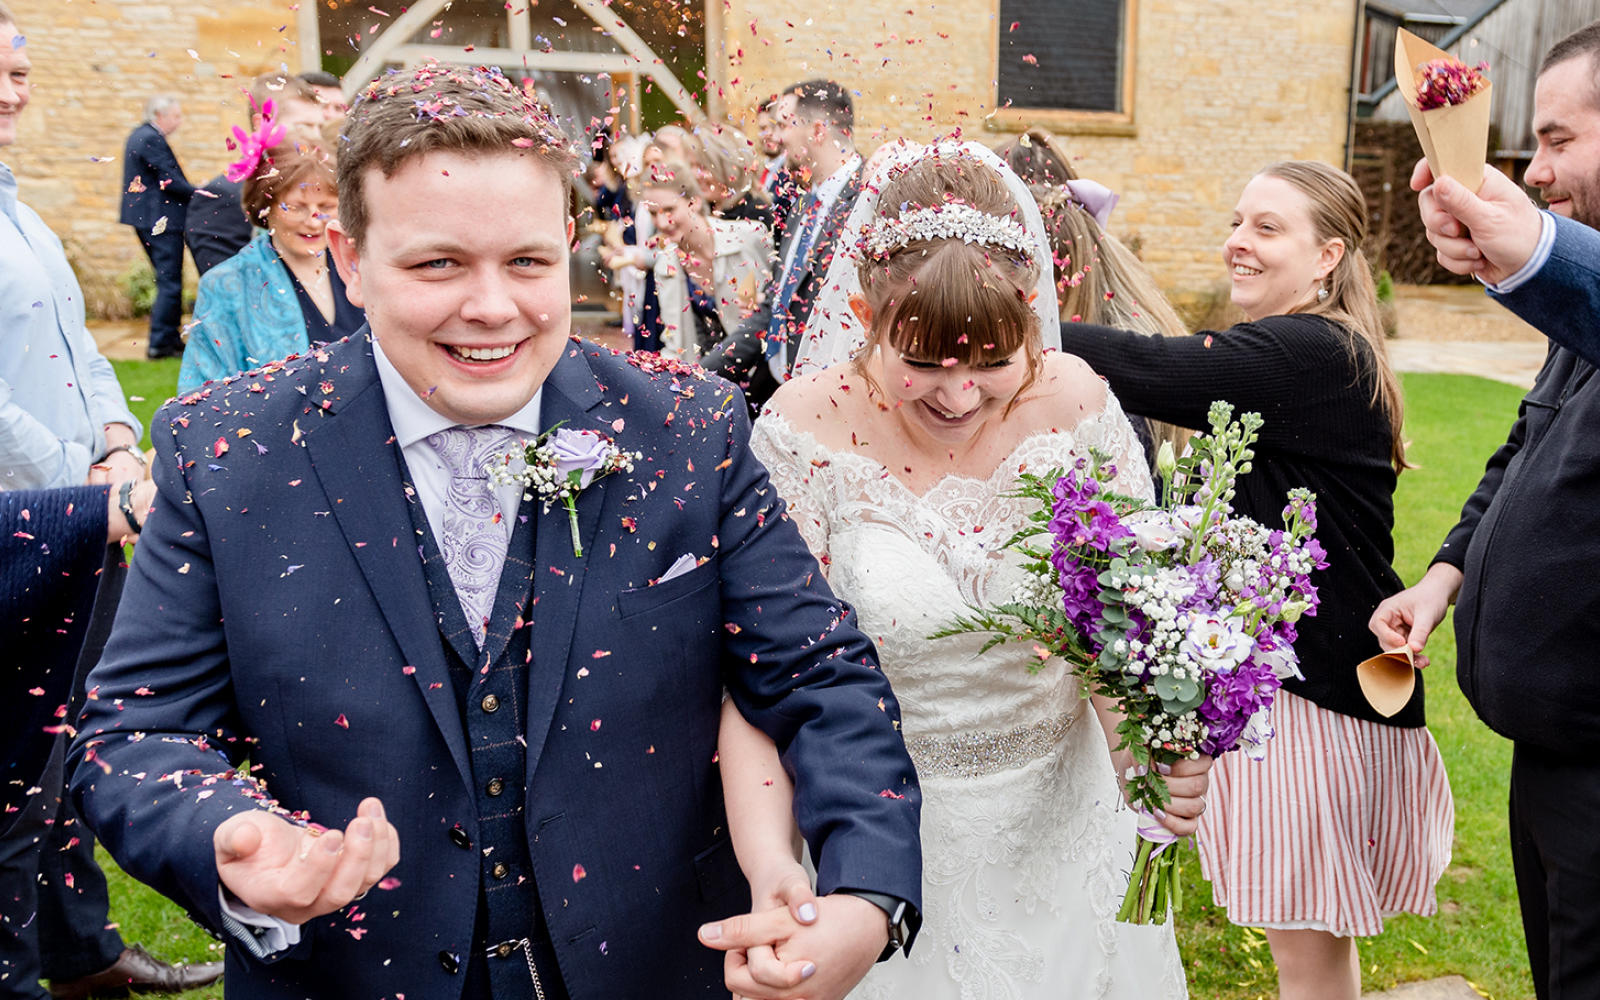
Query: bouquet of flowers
(1181, 613)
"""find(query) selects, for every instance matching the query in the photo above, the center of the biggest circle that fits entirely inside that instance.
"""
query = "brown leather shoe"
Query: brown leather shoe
(137, 971)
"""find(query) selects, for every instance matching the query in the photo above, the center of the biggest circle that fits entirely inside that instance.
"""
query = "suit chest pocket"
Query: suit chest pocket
(682, 596)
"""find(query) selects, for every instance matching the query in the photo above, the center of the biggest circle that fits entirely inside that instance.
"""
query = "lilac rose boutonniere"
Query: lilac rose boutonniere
(558, 465)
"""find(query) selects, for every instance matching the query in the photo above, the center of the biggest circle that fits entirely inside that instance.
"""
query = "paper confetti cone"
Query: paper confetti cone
(1455, 138)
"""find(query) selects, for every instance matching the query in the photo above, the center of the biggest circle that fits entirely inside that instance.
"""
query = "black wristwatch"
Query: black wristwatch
(898, 911)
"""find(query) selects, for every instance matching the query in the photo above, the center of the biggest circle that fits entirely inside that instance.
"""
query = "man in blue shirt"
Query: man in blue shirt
(63, 422)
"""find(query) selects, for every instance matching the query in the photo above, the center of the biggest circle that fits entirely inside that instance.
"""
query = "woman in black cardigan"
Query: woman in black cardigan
(1348, 819)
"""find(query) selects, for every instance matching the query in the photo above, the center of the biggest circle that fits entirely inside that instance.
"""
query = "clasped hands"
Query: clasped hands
(794, 945)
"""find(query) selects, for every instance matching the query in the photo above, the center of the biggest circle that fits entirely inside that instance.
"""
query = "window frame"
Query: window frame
(1068, 121)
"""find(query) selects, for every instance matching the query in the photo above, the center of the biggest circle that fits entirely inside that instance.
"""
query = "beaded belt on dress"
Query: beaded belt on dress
(971, 755)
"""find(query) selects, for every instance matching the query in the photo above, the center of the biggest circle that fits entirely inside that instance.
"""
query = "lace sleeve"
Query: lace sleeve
(1113, 434)
(794, 462)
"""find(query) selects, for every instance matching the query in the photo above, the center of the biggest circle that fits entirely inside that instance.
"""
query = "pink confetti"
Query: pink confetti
(578, 874)
(342, 722)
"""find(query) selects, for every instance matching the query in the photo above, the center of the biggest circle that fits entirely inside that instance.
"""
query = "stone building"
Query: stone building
(1173, 103)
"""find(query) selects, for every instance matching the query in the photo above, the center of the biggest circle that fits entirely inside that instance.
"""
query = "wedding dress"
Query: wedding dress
(1026, 841)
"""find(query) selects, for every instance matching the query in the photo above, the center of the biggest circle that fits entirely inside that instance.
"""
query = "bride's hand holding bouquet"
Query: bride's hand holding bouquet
(1178, 616)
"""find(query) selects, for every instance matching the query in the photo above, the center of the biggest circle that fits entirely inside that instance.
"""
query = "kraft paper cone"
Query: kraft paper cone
(1454, 138)
(1388, 680)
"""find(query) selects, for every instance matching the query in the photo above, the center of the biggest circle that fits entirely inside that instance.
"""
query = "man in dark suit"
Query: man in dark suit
(816, 122)
(155, 201)
(411, 653)
(216, 227)
(1521, 559)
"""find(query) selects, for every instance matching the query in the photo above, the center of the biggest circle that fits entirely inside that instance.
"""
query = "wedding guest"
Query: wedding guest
(818, 130)
(710, 272)
(155, 202)
(1349, 817)
(1519, 563)
(64, 426)
(898, 465)
(776, 180)
(217, 227)
(280, 294)
(1039, 157)
(728, 173)
(627, 251)
(1100, 281)
(329, 93)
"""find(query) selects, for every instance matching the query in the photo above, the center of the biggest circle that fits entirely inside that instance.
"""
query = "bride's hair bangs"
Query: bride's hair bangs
(944, 298)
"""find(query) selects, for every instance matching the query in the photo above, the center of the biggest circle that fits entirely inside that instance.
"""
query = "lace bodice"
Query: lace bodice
(911, 563)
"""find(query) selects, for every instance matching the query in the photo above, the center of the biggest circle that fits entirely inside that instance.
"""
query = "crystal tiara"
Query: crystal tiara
(955, 221)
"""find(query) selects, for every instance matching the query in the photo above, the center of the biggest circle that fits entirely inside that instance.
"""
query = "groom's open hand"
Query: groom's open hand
(295, 873)
(824, 960)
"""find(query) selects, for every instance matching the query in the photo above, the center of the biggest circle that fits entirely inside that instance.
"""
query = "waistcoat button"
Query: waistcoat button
(490, 703)
(496, 786)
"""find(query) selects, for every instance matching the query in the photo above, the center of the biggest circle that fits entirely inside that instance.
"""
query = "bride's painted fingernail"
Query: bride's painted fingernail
(808, 971)
(1163, 769)
(808, 913)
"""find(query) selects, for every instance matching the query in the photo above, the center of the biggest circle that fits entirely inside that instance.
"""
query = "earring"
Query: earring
(1322, 294)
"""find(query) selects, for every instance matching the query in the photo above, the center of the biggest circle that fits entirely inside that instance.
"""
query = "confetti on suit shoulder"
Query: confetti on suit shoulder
(578, 874)
(342, 722)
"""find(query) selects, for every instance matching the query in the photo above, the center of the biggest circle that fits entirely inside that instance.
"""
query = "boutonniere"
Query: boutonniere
(561, 463)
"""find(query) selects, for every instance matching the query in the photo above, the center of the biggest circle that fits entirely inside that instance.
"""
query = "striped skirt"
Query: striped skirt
(1343, 823)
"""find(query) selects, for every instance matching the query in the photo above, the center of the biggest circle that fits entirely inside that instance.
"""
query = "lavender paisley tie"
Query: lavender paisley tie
(475, 535)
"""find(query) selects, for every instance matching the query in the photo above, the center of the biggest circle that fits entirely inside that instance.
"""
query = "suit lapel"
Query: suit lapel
(354, 457)
(570, 393)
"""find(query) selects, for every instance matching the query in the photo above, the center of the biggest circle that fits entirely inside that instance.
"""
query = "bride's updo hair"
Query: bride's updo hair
(934, 295)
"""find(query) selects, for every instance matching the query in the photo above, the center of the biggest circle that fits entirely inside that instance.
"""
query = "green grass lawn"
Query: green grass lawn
(1454, 423)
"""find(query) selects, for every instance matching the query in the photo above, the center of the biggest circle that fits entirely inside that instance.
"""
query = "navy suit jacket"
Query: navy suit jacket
(1562, 300)
(216, 228)
(153, 184)
(278, 611)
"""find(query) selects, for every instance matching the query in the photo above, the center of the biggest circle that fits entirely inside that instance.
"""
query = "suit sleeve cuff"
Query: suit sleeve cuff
(262, 936)
(1541, 254)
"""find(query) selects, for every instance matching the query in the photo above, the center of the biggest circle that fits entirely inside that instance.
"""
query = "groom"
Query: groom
(480, 764)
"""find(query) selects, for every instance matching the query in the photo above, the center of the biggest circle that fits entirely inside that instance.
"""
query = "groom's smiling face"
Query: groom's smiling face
(463, 274)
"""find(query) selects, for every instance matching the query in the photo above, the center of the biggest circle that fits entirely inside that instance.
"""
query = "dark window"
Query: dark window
(1061, 54)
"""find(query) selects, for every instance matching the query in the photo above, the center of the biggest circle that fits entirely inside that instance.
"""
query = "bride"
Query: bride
(895, 466)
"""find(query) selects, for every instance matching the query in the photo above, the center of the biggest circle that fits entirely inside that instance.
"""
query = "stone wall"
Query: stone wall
(1210, 106)
(94, 64)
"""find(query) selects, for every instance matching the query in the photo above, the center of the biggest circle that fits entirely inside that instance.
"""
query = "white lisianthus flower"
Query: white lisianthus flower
(1153, 531)
(1257, 731)
(1216, 645)
(1283, 662)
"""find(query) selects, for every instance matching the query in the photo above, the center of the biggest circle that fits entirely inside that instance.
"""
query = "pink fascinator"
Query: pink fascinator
(253, 146)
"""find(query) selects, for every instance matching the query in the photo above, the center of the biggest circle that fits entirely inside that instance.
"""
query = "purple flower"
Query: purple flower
(1231, 699)
(583, 452)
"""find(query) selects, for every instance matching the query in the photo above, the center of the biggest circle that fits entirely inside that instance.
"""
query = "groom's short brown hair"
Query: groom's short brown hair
(403, 115)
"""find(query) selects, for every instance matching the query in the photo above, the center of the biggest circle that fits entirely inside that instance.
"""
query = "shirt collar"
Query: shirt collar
(413, 419)
(829, 189)
(8, 195)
